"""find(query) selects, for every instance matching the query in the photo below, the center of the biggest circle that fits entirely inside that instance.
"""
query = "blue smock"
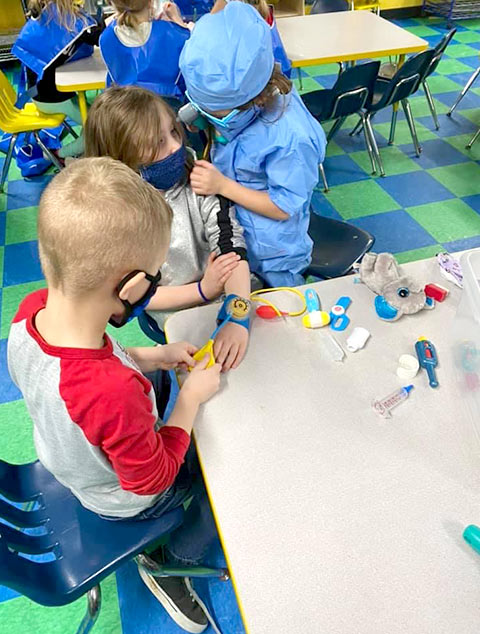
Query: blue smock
(194, 9)
(154, 66)
(43, 39)
(279, 152)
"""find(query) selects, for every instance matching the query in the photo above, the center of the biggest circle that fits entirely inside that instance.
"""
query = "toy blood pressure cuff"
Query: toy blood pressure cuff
(238, 308)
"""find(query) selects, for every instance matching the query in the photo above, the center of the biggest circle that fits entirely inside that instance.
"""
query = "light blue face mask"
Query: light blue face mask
(231, 124)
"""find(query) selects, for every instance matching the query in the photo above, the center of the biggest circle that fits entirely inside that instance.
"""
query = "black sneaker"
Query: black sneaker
(175, 596)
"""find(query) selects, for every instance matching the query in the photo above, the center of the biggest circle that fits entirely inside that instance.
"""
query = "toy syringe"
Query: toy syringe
(384, 405)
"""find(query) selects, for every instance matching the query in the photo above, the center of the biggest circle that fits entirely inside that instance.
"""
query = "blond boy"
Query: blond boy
(96, 415)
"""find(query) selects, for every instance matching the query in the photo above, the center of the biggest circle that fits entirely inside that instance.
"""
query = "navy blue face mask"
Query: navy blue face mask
(135, 309)
(167, 172)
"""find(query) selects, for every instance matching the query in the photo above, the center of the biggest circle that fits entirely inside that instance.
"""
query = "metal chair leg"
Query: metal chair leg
(324, 178)
(368, 144)
(431, 104)
(475, 138)
(393, 126)
(464, 91)
(94, 603)
(357, 128)
(411, 124)
(167, 570)
(373, 141)
(299, 76)
(48, 152)
(8, 160)
(69, 129)
(335, 128)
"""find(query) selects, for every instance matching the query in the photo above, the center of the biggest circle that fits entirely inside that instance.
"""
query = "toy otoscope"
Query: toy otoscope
(427, 357)
(472, 536)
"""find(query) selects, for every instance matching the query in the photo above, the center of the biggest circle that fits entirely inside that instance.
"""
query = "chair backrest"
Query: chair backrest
(407, 79)
(439, 50)
(352, 91)
(329, 6)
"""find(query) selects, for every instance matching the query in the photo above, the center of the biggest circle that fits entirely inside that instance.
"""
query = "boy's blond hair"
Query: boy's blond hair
(98, 219)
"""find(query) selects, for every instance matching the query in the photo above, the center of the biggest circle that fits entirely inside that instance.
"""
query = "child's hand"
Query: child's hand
(174, 355)
(171, 13)
(219, 269)
(230, 346)
(202, 383)
(206, 180)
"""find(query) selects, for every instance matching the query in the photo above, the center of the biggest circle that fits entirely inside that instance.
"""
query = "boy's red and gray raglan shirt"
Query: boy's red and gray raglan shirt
(94, 417)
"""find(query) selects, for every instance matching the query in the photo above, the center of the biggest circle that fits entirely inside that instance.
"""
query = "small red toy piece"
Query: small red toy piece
(436, 292)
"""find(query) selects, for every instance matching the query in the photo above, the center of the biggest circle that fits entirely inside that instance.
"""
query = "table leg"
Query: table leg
(401, 59)
(82, 104)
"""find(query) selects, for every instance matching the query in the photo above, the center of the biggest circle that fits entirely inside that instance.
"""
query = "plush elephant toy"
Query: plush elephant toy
(397, 294)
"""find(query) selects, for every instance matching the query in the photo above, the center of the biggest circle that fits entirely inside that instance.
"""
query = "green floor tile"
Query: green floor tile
(3, 199)
(461, 50)
(11, 298)
(394, 161)
(21, 225)
(22, 616)
(308, 85)
(365, 198)
(402, 132)
(447, 220)
(472, 114)
(466, 37)
(461, 180)
(422, 30)
(452, 66)
(418, 254)
(420, 107)
(130, 335)
(460, 141)
(333, 149)
(16, 425)
(469, 24)
(322, 69)
(440, 83)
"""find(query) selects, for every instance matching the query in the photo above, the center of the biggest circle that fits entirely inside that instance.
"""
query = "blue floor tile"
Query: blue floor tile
(414, 188)
(9, 391)
(449, 126)
(391, 228)
(350, 143)
(463, 245)
(436, 153)
(474, 202)
(342, 169)
(470, 100)
(21, 263)
(322, 207)
(2, 228)
(25, 193)
(6, 594)
(472, 61)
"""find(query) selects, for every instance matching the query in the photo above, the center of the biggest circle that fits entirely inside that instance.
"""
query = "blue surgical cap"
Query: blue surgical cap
(228, 59)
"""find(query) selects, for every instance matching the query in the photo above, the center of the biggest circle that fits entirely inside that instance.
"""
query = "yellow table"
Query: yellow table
(89, 73)
(344, 36)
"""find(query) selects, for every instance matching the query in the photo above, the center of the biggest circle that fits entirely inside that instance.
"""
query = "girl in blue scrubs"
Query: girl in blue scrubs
(268, 146)
(142, 46)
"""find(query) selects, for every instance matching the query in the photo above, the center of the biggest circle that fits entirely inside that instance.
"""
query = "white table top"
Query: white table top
(89, 73)
(344, 36)
(333, 520)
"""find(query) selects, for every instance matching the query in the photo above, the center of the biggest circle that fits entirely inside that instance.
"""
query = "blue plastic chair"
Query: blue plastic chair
(337, 246)
(78, 548)
(351, 93)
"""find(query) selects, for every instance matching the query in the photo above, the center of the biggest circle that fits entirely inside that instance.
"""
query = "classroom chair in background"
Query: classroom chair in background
(15, 121)
(403, 84)
(466, 88)
(351, 94)
(475, 138)
(77, 548)
(438, 51)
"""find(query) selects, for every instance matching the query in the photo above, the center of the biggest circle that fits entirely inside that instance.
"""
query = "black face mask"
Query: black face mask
(135, 309)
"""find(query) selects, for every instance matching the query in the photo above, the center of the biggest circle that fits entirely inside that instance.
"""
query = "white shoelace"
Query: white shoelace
(196, 598)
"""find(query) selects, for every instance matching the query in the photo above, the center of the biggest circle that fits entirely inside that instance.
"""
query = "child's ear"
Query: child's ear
(130, 288)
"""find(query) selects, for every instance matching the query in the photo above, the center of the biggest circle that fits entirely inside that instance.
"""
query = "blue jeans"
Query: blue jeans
(189, 543)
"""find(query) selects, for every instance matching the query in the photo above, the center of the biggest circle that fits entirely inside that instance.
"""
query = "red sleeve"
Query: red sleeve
(111, 405)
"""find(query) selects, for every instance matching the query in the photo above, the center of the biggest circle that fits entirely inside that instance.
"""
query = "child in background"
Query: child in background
(268, 148)
(141, 49)
(57, 31)
(207, 254)
(103, 235)
(267, 13)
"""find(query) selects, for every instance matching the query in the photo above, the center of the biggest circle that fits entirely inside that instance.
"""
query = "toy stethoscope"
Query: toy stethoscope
(270, 311)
